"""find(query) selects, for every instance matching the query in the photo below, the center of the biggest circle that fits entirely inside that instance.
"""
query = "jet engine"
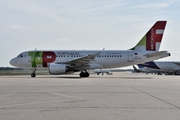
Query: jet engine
(57, 69)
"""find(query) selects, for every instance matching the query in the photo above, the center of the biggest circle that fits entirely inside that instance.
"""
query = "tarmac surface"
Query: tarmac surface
(121, 96)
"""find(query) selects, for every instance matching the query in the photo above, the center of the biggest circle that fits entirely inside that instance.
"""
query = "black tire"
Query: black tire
(33, 75)
(81, 74)
(84, 74)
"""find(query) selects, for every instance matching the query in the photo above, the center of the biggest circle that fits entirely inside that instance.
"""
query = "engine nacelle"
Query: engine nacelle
(57, 69)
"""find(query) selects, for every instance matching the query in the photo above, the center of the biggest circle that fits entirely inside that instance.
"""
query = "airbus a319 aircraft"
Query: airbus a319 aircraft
(69, 61)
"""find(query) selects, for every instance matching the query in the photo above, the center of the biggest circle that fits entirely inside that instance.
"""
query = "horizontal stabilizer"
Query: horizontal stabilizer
(156, 54)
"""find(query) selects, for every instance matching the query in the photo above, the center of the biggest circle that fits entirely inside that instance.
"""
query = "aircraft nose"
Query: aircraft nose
(13, 62)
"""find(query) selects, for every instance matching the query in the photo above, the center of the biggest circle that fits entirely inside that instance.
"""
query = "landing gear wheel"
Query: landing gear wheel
(84, 74)
(33, 75)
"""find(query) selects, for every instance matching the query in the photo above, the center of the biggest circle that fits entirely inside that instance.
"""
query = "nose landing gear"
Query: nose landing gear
(33, 74)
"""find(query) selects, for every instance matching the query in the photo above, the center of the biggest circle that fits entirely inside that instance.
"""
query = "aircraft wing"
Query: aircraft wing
(177, 63)
(156, 54)
(81, 62)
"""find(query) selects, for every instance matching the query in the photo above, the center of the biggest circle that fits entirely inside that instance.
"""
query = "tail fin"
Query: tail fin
(152, 39)
(135, 69)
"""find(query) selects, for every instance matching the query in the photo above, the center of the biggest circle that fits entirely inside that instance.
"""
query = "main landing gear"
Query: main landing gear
(33, 74)
(84, 74)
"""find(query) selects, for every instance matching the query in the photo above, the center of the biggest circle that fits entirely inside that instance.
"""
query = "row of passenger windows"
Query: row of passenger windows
(84, 55)
(70, 55)
(109, 56)
(20, 56)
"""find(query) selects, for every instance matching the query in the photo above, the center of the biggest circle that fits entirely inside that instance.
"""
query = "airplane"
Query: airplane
(69, 61)
(102, 71)
(169, 67)
(143, 69)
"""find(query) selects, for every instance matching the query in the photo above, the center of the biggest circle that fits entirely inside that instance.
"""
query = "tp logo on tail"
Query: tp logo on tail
(152, 39)
(154, 36)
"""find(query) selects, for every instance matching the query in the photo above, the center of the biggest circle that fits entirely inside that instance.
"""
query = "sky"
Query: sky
(84, 24)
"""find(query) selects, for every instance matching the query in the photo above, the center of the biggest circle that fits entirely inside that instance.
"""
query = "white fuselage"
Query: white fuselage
(104, 59)
(68, 61)
(168, 66)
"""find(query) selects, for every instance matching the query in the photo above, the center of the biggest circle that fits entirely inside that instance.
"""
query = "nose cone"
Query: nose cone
(13, 62)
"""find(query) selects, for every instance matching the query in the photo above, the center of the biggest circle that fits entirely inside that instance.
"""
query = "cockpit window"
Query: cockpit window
(20, 56)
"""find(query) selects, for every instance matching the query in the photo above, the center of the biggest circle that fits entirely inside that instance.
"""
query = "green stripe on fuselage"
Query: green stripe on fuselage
(36, 58)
